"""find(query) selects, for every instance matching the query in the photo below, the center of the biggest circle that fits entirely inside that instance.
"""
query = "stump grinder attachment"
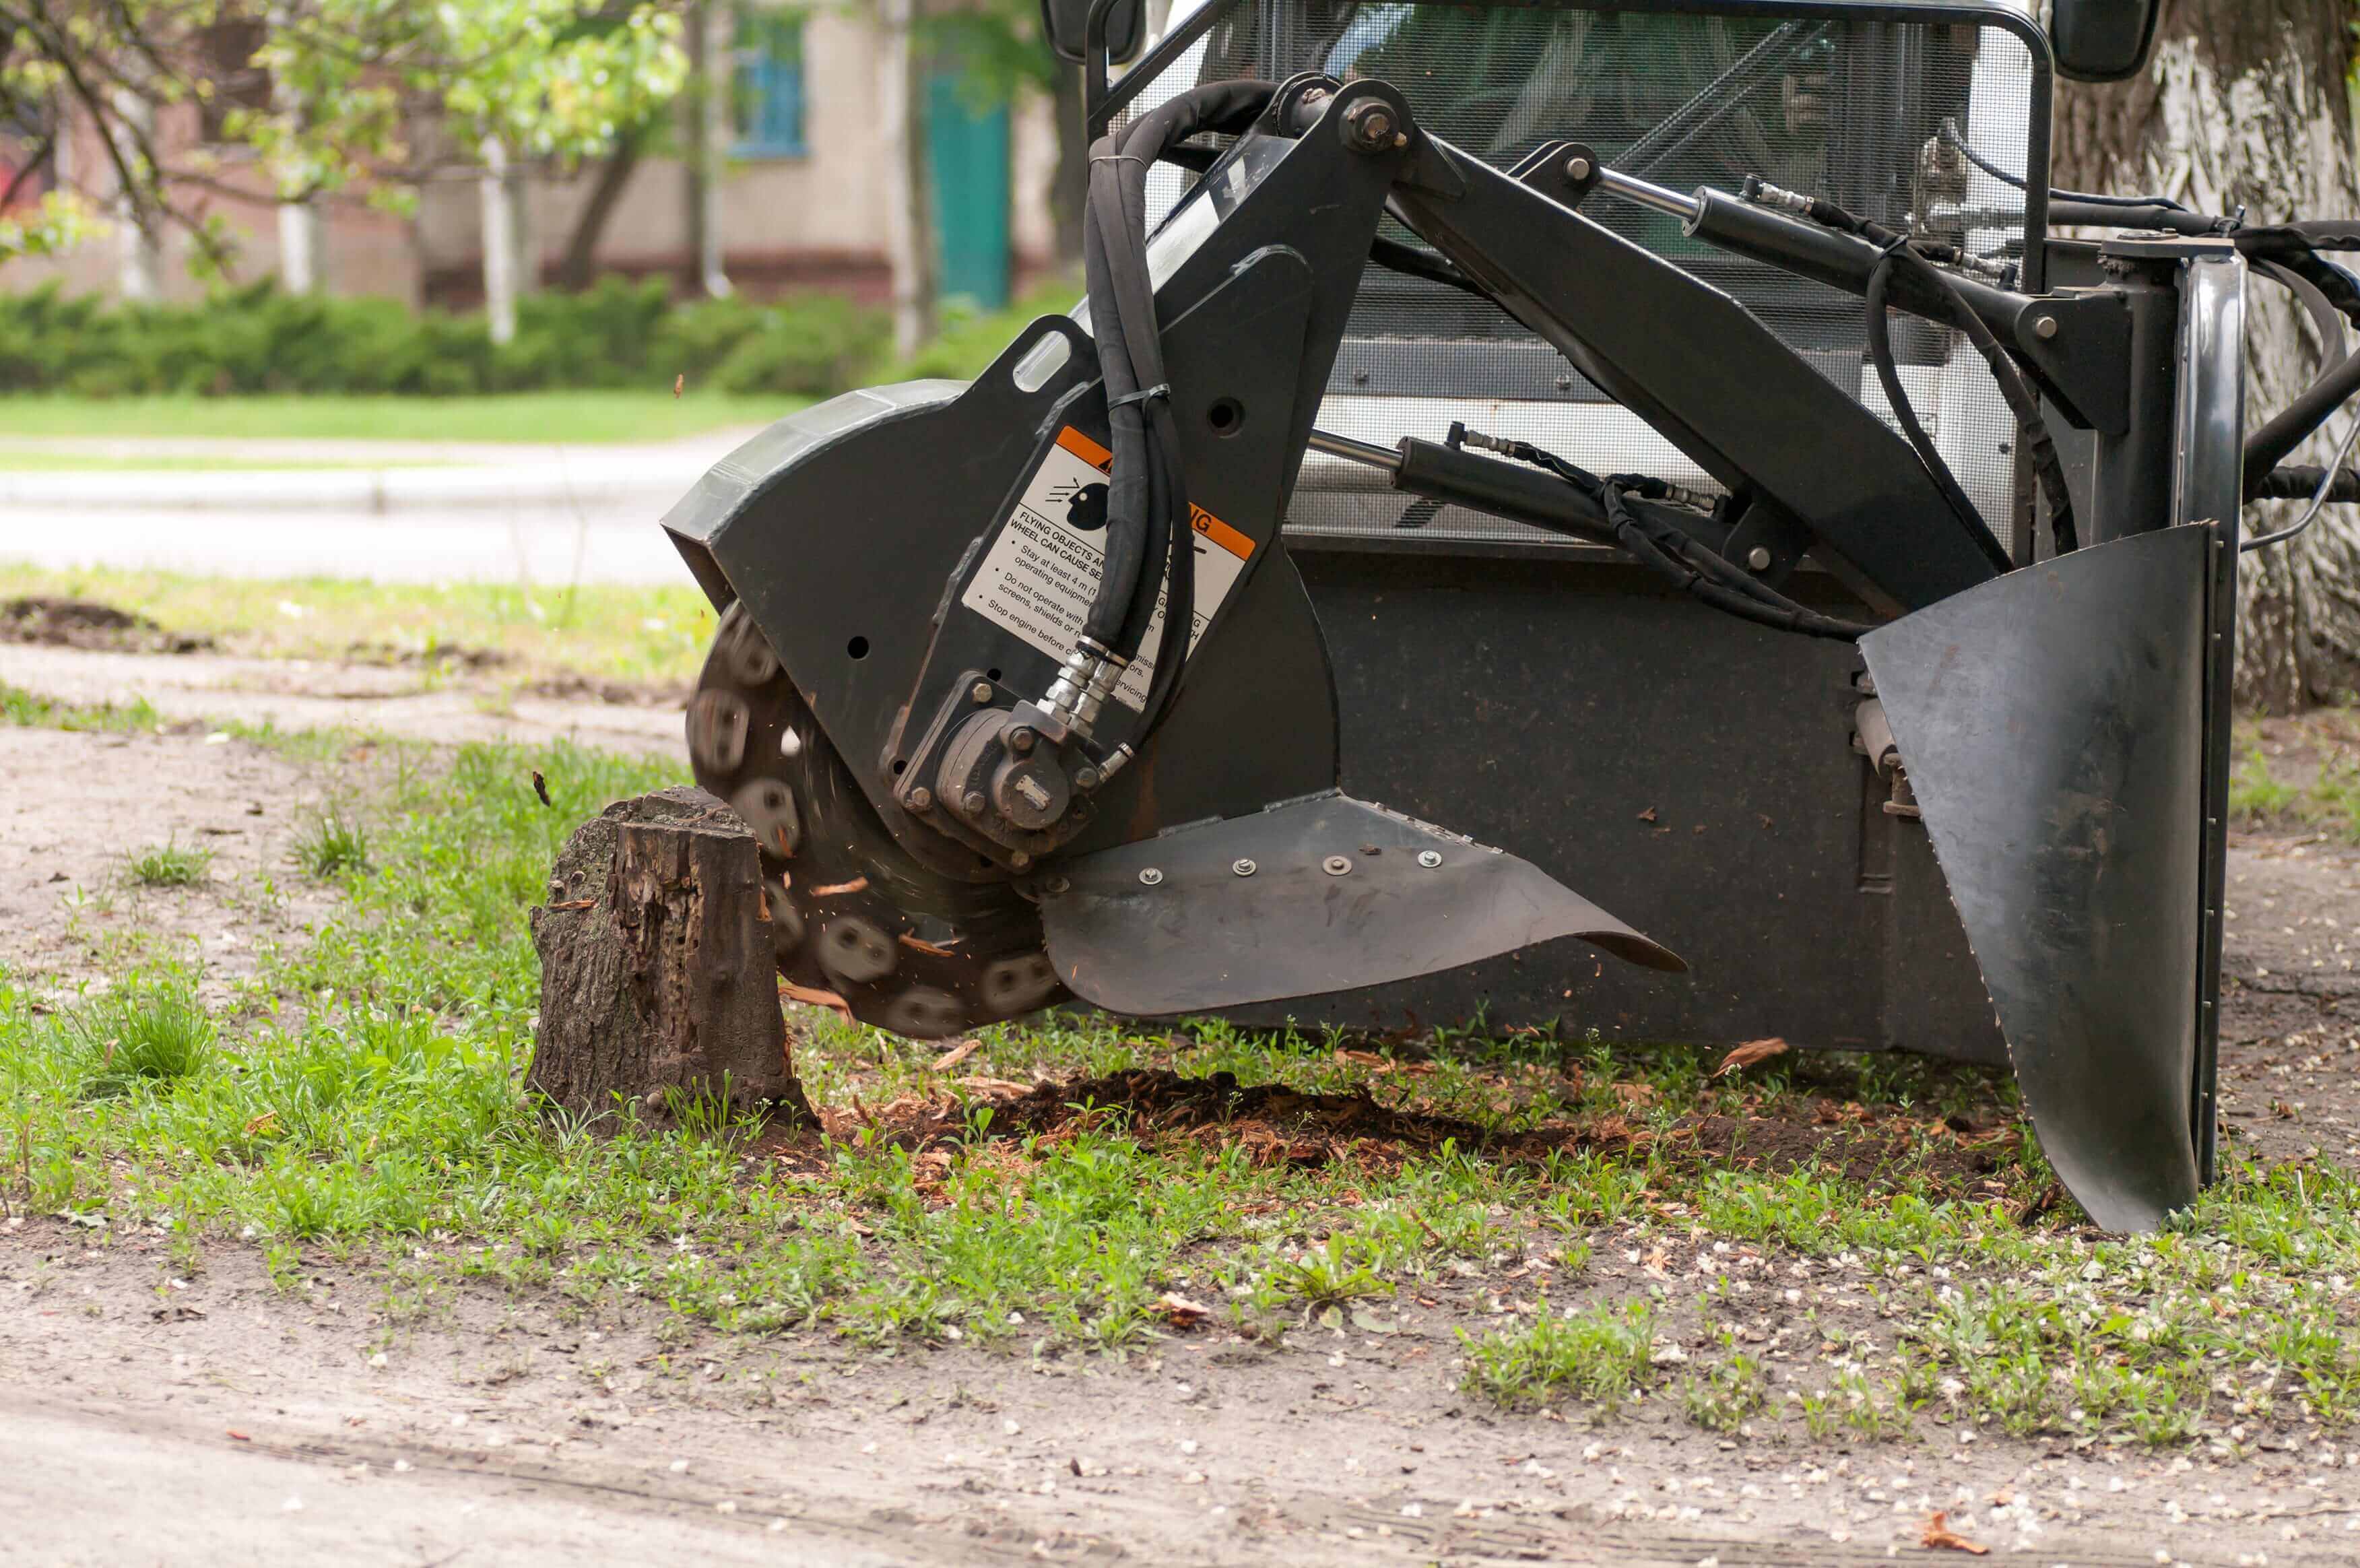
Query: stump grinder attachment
(1020, 687)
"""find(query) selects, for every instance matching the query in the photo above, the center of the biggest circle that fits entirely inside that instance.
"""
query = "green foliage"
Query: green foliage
(255, 339)
(332, 843)
(151, 1032)
(169, 865)
(1601, 1353)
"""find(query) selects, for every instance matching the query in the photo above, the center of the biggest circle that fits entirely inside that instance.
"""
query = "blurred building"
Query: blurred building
(801, 201)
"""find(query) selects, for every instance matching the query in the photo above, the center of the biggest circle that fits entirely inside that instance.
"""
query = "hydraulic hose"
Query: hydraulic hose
(1146, 501)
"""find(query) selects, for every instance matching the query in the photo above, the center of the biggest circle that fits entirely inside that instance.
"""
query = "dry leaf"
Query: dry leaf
(813, 996)
(993, 1086)
(923, 946)
(1751, 1052)
(1180, 1311)
(1941, 1536)
(1648, 815)
(678, 382)
(1635, 1094)
(956, 1054)
(574, 904)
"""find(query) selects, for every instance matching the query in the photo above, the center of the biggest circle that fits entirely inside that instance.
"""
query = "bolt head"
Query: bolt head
(1577, 168)
(1086, 777)
(1243, 867)
(1019, 859)
(1758, 557)
(973, 803)
(1429, 859)
(1150, 877)
(921, 799)
(980, 691)
(1020, 739)
(2045, 327)
(1336, 866)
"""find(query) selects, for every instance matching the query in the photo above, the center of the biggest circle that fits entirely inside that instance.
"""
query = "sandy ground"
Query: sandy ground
(146, 1416)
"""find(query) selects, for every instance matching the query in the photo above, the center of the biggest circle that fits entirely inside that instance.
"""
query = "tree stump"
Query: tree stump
(658, 972)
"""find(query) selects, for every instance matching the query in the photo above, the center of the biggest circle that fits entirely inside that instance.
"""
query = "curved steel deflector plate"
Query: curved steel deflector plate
(2052, 726)
(1324, 894)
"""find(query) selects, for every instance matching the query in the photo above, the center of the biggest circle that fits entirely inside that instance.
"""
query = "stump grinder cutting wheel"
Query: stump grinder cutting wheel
(1019, 686)
(852, 912)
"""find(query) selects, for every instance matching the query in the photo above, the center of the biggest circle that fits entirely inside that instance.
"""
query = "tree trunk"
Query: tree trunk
(302, 240)
(712, 34)
(659, 967)
(140, 266)
(909, 200)
(503, 263)
(581, 261)
(2244, 104)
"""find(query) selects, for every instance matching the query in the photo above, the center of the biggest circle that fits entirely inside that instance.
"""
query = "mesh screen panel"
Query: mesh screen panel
(1845, 107)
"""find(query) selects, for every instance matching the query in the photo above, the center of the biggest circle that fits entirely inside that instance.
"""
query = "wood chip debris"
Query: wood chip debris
(812, 996)
(956, 1054)
(857, 884)
(1747, 1054)
(1941, 1536)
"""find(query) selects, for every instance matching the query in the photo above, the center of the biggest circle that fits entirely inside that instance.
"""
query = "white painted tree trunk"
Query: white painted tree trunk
(716, 58)
(139, 262)
(508, 260)
(909, 199)
(302, 245)
(2246, 104)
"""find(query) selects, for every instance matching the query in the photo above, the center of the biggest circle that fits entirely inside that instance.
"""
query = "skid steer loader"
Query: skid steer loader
(1669, 440)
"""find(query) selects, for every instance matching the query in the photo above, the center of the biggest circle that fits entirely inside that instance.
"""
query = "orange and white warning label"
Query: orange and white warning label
(1043, 569)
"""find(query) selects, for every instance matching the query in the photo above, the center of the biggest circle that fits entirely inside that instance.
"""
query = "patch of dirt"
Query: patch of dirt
(443, 656)
(86, 624)
(296, 694)
(670, 694)
(79, 805)
(1278, 1125)
(2290, 999)
(425, 1420)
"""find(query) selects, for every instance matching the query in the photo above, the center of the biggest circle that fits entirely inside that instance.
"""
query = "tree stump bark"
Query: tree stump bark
(658, 971)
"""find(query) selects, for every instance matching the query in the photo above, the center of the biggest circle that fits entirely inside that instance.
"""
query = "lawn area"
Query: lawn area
(655, 635)
(1851, 1247)
(590, 416)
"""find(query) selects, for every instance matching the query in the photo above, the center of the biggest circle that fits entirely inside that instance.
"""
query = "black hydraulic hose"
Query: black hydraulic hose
(2285, 429)
(1888, 376)
(1416, 261)
(1142, 510)
(2300, 481)
(1764, 608)
(2017, 181)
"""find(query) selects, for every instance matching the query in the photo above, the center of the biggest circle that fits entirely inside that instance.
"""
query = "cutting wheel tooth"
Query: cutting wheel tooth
(768, 808)
(923, 1012)
(718, 722)
(748, 654)
(786, 920)
(1019, 984)
(854, 951)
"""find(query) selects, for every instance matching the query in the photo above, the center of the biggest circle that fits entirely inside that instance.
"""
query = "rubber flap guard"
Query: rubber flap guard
(2052, 724)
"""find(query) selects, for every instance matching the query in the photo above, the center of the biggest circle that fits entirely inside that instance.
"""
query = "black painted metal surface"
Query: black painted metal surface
(2052, 723)
(1314, 895)
(1694, 774)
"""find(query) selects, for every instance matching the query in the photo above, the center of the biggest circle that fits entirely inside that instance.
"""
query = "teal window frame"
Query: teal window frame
(768, 100)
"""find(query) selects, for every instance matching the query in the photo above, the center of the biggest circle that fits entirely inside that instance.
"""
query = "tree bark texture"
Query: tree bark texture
(2246, 105)
(658, 966)
(578, 270)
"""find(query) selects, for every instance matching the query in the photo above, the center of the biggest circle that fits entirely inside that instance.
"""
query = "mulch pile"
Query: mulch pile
(89, 626)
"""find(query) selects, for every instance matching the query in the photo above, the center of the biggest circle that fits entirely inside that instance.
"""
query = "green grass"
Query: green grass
(334, 843)
(596, 416)
(170, 865)
(631, 634)
(360, 1099)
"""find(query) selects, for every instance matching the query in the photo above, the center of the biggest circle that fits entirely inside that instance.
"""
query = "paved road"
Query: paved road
(542, 515)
